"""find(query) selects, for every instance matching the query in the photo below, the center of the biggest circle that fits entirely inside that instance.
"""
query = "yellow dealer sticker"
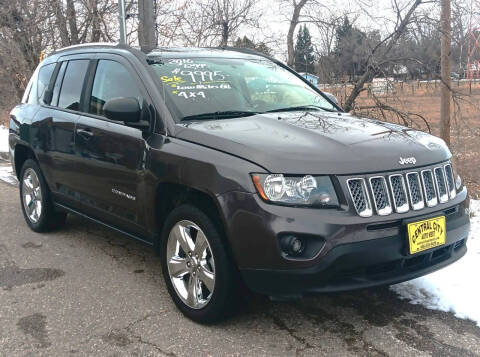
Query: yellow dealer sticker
(426, 234)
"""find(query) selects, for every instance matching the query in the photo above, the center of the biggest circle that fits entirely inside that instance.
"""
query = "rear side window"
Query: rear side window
(72, 84)
(26, 94)
(44, 76)
(112, 80)
(30, 95)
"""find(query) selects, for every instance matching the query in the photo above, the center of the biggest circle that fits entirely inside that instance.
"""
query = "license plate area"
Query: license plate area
(426, 234)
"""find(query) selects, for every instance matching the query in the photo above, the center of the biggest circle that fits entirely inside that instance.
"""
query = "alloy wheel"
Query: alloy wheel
(32, 195)
(191, 265)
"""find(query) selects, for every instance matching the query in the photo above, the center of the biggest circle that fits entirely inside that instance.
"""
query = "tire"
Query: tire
(34, 193)
(208, 306)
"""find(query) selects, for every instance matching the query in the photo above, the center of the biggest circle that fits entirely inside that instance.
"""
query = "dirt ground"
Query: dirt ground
(84, 290)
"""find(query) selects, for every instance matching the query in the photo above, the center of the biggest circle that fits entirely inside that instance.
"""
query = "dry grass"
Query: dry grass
(424, 99)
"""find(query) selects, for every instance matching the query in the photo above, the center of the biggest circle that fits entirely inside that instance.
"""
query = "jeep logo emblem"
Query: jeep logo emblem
(407, 160)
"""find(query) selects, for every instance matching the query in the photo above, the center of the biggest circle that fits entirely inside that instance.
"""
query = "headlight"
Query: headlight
(296, 190)
(458, 182)
(456, 177)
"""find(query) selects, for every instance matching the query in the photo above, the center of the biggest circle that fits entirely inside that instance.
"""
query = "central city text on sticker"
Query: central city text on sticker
(426, 226)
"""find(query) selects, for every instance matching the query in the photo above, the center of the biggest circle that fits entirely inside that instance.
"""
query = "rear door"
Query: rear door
(53, 129)
(40, 118)
(111, 156)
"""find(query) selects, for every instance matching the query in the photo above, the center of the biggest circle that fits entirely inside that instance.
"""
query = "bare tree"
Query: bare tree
(445, 63)
(326, 23)
(22, 33)
(29, 28)
(22, 38)
(460, 23)
(96, 20)
(379, 54)
(214, 22)
(229, 15)
(294, 20)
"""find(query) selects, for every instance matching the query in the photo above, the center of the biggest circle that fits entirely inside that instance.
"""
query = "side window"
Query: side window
(112, 80)
(44, 76)
(72, 84)
(30, 95)
(58, 84)
(26, 94)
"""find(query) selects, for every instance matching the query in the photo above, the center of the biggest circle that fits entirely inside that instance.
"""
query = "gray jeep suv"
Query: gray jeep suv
(236, 170)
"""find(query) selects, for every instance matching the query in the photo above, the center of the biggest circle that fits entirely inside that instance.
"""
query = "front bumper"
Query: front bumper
(356, 253)
(355, 266)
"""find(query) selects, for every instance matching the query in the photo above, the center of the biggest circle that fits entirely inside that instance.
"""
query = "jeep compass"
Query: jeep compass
(236, 170)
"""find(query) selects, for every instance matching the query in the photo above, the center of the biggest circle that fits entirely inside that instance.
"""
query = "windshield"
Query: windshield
(206, 88)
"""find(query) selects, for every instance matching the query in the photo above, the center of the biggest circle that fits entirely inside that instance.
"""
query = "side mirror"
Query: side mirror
(123, 109)
(331, 97)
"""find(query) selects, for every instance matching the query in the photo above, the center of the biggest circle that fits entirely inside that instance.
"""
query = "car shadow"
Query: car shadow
(366, 322)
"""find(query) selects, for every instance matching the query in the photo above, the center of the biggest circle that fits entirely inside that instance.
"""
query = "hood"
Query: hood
(318, 143)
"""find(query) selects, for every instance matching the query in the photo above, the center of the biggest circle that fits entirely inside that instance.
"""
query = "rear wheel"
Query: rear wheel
(37, 207)
(197, 270)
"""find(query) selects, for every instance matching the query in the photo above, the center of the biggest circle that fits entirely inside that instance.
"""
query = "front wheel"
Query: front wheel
(196, 267)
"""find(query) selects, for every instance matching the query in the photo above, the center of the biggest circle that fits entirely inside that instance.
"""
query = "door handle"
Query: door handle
(84, 133)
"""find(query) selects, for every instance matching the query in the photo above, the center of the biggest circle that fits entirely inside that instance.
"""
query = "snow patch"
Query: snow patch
(7, 174)
(3, 139)
(455, 288)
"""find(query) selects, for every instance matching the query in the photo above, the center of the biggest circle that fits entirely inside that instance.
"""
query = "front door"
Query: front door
(111, 155)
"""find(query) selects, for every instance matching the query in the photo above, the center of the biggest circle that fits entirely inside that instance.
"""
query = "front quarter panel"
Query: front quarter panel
(199, 167)
(175, 161)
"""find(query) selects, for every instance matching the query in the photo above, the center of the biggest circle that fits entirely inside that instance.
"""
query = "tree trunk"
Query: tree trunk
(96, 32)
(297, 8)
(224, 34)
(445, 64)
(62, 24)
(72, 22)
(146, 25)
(358, 88)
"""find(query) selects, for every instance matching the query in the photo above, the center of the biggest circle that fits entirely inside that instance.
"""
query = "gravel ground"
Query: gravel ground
(84, 290)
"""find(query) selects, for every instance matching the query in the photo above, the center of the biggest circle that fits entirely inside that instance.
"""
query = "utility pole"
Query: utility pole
(445, 75)
(146, 25)
(121, 20)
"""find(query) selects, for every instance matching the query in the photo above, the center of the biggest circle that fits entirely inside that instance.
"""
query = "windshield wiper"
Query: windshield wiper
(300, 108)
(220, 115)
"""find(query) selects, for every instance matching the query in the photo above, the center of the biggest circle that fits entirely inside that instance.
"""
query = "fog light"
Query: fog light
(292, 245)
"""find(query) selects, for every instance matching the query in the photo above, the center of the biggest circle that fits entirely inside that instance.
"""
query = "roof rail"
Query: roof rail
(89, 44)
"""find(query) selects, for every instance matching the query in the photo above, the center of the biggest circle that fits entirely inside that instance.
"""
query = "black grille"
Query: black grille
(449, 176)
(399, 194)
(380, 194)
(441, 185)
(358, 194)
(414, 186)
(442, 189)
(430, 194)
